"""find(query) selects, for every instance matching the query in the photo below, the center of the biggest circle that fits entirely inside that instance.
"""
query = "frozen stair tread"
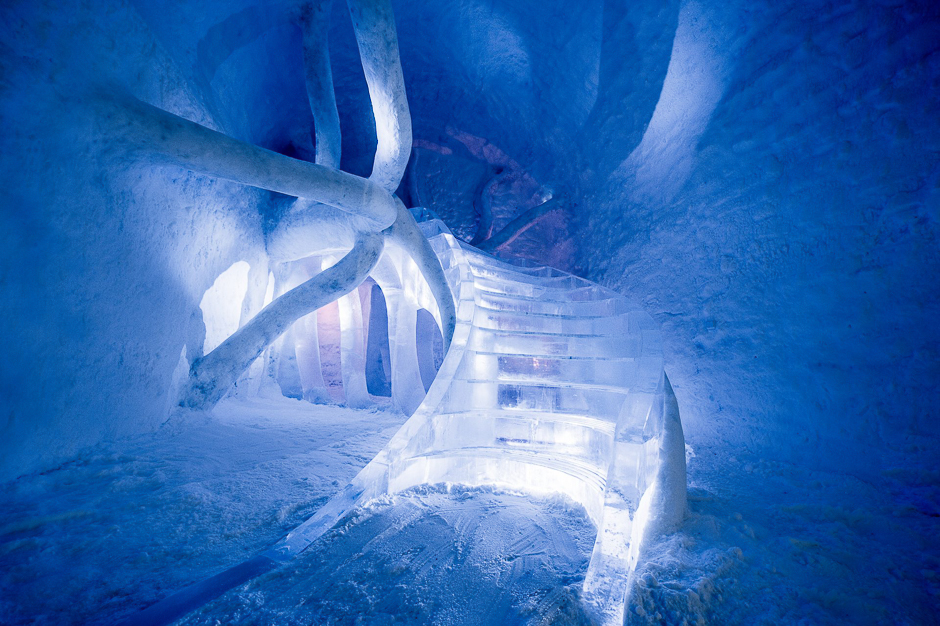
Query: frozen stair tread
(526, 381)
(557, 357)
(572, 419)
(561, 284)
(549, 298)
(567, 464)
(536, 314)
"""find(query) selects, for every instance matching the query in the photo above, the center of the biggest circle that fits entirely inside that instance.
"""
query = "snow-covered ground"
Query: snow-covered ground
(118, 530)
(429, 556)
(764, 543)
(109, 533)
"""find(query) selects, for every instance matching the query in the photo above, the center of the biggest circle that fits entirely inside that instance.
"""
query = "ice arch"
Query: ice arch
(430, 347)
(378, 356)
(222, 304)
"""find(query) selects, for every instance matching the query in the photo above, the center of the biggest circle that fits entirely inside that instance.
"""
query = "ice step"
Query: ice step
(622, 372)
(492, 473)
(573, 420)
(509, 380)
(483, 265)
(561, 284)
(490, 395)
(548, 306)
(590, 441)
(583, 293)
(539, 344)
(638, 374)
(557, 280)
(552, 323)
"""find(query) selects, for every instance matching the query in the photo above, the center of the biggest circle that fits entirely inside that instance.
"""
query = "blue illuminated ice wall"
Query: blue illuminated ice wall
(762, 176)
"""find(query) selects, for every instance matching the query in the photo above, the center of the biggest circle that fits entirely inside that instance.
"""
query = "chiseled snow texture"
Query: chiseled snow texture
(454, 556)
(789, 245)
(120, 528)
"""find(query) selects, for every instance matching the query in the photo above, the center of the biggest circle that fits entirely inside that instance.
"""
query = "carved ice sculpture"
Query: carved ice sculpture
(552, 384)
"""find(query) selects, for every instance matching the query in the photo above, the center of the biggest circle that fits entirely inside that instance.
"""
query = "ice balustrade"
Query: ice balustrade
(552, 385)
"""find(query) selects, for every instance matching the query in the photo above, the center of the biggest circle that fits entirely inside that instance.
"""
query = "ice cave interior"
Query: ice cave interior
(386, 311)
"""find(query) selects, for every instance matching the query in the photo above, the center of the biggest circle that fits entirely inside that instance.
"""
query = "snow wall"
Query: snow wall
(762, 176)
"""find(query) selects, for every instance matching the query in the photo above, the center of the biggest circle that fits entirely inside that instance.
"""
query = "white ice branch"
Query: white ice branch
(206, 151)
(374, 24)
(315, 22)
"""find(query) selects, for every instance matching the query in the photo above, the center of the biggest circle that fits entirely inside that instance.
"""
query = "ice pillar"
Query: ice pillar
(352, 349)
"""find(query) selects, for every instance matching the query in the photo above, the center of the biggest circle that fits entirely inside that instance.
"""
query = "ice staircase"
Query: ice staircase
(552, 384)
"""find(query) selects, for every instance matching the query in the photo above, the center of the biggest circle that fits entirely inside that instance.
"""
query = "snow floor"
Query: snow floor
(457, 556)
(118, 530)
(112, 532)
(764, 542)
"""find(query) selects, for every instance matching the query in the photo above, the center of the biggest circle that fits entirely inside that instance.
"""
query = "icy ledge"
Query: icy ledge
(552, 385)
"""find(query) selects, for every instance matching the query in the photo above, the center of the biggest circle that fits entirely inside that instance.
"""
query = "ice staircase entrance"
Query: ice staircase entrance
(552, 384)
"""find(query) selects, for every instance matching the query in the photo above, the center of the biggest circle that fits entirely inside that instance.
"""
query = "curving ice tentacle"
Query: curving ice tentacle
(374, 24)
(200, 149)
(315, 23)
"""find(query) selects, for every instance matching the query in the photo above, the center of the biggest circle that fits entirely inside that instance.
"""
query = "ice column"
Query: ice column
(407, 387)
(307, 346)
(352, 348)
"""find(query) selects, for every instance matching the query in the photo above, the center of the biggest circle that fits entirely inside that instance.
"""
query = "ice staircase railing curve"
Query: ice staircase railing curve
(552, 384)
